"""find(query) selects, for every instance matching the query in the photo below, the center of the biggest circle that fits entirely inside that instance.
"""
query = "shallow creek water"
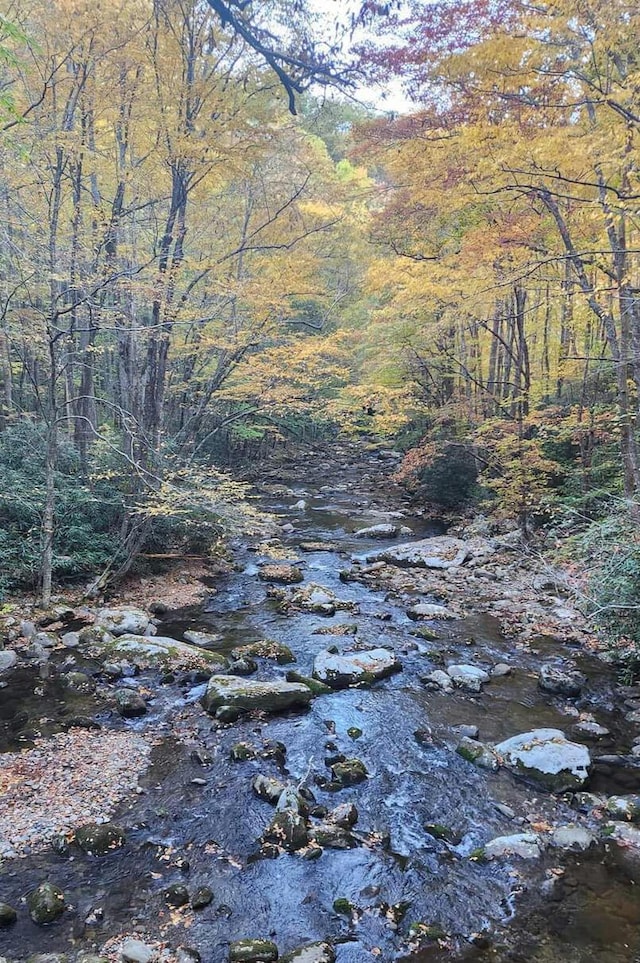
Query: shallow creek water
(181, 831)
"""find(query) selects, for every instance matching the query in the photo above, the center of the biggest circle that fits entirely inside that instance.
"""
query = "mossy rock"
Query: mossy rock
(242, 752)
(314, 685)
(342, 906)
(176, 895)
(99, 839)
(8, 915)
(265, 649)
(349, 772)
(311, 953)
(253, 951)
(46, 904)
(202, 898)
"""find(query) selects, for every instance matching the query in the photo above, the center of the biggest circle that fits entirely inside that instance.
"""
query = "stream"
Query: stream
(196, 820)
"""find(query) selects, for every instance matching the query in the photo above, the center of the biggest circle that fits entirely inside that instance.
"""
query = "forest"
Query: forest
(319, 481)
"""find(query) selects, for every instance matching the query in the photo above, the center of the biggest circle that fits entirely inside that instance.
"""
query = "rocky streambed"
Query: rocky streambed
(373, 740)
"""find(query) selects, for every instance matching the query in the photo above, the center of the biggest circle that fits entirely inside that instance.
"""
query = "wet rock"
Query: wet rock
(478, 753)
(135, 951)
(626, 847)
(312, 953)
(593, 730)
(314, 685)
(246, 695)
(8, 659)
(624, 807)
(253, 951)
(524, 845)
(46, 904)
(288, 829)
(228, 714)
(187, 954)
(439, 679)
(440, 552)
(95, 635)
(445, 833)
(378, 531)
(586, 802)
(345, 816)
(202, 898)
(268, 788)
(176, 895)
(78, 682)
(128, 621)
(349, 772)
(204, 640)
(130, 704)
(99, 839)
(281, 574)
(241, 752)
(469, 677)
(470, 732)
(161, 649)
(319, 599)
(342, 906)
(265, 649)
(354, 668)
(8, 915)
(572, 837)
(242, 667)
(354, 732)
(429, 610)
(559, 681)
(500, 670)
(547, 756)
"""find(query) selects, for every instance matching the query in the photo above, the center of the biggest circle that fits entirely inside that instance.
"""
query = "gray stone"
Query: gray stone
(287, 829)
(547, 756)
(265, 649)
(500, 670)
(624, 807)
(268, 788)
(559, 681)
(471, 732)
(130, 704)
(135, 951)
(8, 659)
(440, 679)
(204, 640)
(524, 845)
(441, 552)
(378, 531)
(127, 621)
(248, 694)
(572, 837)
(353, 668)
(162, 649)
(349, 772)
(469, 677)
(478, 753)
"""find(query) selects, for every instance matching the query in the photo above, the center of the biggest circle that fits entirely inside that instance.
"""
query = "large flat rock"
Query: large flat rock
(248, 694)
(353, 668)
(547, 756)
(442, 551)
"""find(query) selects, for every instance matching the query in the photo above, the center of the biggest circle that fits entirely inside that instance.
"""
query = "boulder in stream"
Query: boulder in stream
(248, 694)
(125, 621)
(382, 531)
(99, 839)
(429, 610)
(561, 681)
(265, 649)
(8, 659)
(130, 703)
(469, 677)
(281, 574)
(46, 904)
(162, 650)
(354, 668)
(253, 951)
(442, 552)
(547, 756)
(8, 915)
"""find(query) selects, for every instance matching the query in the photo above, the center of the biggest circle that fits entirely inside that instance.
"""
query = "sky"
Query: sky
(388, 98)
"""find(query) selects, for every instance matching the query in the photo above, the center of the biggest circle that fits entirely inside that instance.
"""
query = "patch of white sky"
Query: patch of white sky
(334, 18)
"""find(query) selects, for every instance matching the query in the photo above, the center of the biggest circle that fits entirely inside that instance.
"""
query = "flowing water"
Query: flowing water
(206, 832)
